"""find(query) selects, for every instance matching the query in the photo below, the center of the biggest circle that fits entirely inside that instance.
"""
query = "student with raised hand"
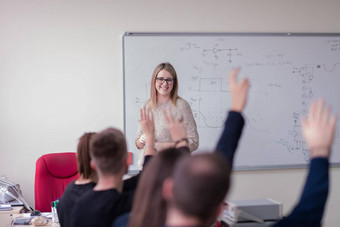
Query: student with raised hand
(196, 191)
(77, 188)
(111, 197)
(318, 130)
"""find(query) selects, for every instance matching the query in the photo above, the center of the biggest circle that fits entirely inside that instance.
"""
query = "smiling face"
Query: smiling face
(164, 89)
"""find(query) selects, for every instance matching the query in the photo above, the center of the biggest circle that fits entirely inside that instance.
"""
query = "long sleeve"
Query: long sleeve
(310, 209)
(231, 134)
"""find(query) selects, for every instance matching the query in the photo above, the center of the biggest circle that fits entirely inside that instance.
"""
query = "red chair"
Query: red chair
(52, 174)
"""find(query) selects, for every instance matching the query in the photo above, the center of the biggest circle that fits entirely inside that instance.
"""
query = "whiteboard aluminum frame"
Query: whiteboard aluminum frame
(230, 34)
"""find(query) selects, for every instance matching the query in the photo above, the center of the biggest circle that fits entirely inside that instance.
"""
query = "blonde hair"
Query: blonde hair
(153, 91)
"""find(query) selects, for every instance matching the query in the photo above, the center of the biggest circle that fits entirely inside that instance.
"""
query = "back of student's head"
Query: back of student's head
(149, 208)
(201, 183)
(84, 158)
(109, 151)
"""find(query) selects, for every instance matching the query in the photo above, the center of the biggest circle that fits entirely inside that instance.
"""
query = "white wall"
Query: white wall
(61, 74)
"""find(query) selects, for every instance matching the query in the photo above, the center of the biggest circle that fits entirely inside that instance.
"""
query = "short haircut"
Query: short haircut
(109, 151)
(83, 156)
(201, 183)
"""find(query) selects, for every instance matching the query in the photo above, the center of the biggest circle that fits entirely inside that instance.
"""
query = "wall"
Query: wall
(61, 74)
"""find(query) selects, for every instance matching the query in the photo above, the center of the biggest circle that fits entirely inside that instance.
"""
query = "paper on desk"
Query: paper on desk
(5, 206)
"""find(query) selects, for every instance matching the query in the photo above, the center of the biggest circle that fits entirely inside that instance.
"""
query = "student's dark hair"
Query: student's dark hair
(109, 151)
(201, 183)
(84, 158)
(149, 208)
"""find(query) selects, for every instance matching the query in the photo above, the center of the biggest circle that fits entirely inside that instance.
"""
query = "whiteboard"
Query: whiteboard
(286, 72)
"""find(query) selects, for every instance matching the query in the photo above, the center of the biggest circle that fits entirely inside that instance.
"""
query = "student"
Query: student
(196, 191)
(152, 212)
(111, 197)
(199, 184)
(164, 95)
(318, 130)
(85, 182)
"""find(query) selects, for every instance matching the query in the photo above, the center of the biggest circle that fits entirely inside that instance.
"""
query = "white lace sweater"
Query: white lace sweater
(162, 134)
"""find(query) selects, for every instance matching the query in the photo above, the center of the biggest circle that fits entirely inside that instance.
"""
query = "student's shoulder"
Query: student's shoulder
(87, 196)
(83, 188)
(92, 197)
(70, 186)
(79, 188)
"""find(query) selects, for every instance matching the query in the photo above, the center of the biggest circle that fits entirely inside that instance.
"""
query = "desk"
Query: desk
(50, 223)
(249, 224)
(6, 216)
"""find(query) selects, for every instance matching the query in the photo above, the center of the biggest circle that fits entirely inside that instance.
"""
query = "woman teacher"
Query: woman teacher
(164, 97)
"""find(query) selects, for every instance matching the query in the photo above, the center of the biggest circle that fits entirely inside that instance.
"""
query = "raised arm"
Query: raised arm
(318, 130)
(231, 134)
(176, 129)
(146, 123)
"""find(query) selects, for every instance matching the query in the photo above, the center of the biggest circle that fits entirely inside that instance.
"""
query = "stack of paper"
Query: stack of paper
(255, 210)
(5, 207)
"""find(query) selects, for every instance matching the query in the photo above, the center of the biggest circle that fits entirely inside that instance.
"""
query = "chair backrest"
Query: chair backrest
(52, 174)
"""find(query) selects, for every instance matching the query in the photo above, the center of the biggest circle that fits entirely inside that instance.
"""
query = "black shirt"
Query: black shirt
(71, 195)
(101, 208)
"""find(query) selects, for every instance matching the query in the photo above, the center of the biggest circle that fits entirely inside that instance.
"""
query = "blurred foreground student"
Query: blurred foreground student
(318, 130)
(85, 182)
(111, 197)
(196, 191)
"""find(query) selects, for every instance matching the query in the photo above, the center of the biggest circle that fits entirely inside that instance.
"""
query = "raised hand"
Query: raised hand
(239, 91)
(146, 122)
(319, 129)
(175, 126)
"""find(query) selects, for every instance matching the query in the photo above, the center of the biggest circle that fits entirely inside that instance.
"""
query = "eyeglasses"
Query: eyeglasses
(161, 80)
